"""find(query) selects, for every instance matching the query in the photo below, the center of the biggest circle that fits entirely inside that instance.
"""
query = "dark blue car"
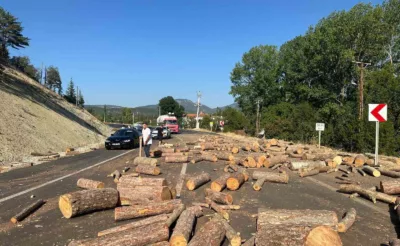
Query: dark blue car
(123, 139)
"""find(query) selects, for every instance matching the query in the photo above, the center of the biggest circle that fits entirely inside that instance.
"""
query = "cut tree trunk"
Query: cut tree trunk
(27, 211)
(196, 181)
(390, 187)
(225, 156)
(139, 211)
(293, 155)
(85, 201)
(175, 214)
(230, 207)
(347, 221)
(235, 150)
(351, 188)
(143, 194)
(176, 159)
(209, 157)
(391, 174)
(217, 208)
(145, 161)
(211, 234)
(297, 165)
(196, 159)
(360, 160)
(168, 150)
(182, 149)
(235, 181)
(220, 183)
(249, 161)
(307, 172)
(172, 154)
(272, 177)
(337, 160)
(207, 146)
(233, 237)
(244, 172)
(89, 184)
(147, 221)
(250, 241)
(131, 182)
(183, 229)
(348, 160)
(146, 169)
(219, 197)
(276, 160)
(372, 171)
(139, 236)
(259, 183)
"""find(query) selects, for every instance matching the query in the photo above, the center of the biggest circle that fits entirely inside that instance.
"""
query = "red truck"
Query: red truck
(169, 121)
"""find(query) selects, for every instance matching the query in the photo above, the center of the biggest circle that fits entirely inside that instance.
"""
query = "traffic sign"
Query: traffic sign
(377, 112)
(320, 126)
(221, 123)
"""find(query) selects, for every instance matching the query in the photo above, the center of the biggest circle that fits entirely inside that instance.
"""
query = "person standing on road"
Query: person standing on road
(147, 141)
(160, 134)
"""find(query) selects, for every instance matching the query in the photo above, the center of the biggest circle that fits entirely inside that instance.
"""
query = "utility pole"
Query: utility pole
(198, 109)
(133, 118)
(41, 74)
(361, 65)
(258, 117)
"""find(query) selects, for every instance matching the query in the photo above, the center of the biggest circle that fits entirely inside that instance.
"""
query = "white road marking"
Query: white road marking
(60, 178)
(180, 181)
(365, 203)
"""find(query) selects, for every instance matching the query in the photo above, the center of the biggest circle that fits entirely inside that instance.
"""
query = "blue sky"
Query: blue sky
(132, 53)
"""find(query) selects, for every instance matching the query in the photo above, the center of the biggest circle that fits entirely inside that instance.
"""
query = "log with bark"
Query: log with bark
(337, 160)
(307, 172)
(211, 234)
(193, 183)
(196, 159)
(139, 211)
(147, 221)
(182, 149)
(272, 177)
(115, 175)
(176, 159)
(351, 188)
(348, 160)
(183, 229)
(145, 161)
(172, 154)
(390, 187)
(293, 155)
(230, 207)
(127, 181)
(207, 146)
(249, 161)
(244, 172)
(389, 173)
(201, 204)
(225, 156)
(27, 211)
(138, 236)
(232, 236)
(372, 171)
(362, 173)
(197, 210)
(175, 214)
(275, 160)
(360, 160)
(347, 221)
(235, 150)
(297, 165)
(168, 150)
(217, 208)
(209, 157)
(146, 169)
(220, 183)
(89, 184)
(246, 147)
(163, 243)
(235, 181)
(86, 201)
(259, 183)
(219, 197)
(143, 194)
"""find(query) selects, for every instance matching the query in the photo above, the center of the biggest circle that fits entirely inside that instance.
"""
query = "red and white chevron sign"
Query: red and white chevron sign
(377, 112)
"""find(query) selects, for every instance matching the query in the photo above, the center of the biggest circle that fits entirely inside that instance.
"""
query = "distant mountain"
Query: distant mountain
(153, 109)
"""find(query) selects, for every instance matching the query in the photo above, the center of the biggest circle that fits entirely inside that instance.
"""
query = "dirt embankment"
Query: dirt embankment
(35, 119)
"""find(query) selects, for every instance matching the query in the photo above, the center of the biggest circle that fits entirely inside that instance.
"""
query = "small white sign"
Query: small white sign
(320, 126)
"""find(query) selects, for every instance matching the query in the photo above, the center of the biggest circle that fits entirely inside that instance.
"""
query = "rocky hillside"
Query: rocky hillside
(35, 119)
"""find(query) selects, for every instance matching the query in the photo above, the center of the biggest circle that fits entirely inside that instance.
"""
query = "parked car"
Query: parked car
(166, 132)
(123, 138)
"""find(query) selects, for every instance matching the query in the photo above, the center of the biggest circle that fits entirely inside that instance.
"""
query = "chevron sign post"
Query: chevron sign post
(377, 113)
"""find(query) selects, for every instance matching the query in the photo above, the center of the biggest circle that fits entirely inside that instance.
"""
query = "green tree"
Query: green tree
(205, 122)
(10, 33)
(70, 94)
(233, 119)
(169, 105)
(127, 115)
(53, 79)
(81, 100)
(23, 64)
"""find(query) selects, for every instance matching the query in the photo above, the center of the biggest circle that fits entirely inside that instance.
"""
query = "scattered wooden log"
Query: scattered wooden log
(147, 221)
(235, 181)
(85, 201)
(307, 172)
(145, 161)
(372, 171)
(183, 229)
(182, 149)
(219, 197)
(146, 169)
(235, 150)
(351, 188)
(27, 211)
(176, 159)
(201, 204)
(136, 236)
(360, 160)
(362, 173)
(389, 173)
(272, 177)
(196, 159)
(230, 233)
(143, 194)
(225, 156)
(175, 214)
(249, 161)
(337, 160)
(259, 183)
(115, 175)
(207, 146)
(172, 154)
(293, 155)
(197, 210)
(244, 172)
(217, 208)
(347, 221)
(325, 169)
(390, 187)
(168, 150)
(385, 198)
(230, 207)
(209, 157)
(211, 234)
(89, 184)
(128, 181)
(275, 160)
(139, 211)
(196, 181)
(348, 160)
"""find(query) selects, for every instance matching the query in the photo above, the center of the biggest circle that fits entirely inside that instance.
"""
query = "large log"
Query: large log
(197, 210)
(182, 149)
(176, 159)
(347, 221)
(233, 237)
(147, 221)
(372, 171)
(272, 177)
(175, 214)
(131, 181)
(235, 150)
(219, 197)
(143, 194)
(139, 211)
(27, 211)
(220, 183)
(193, 183)
(146, 169)
(172, 154)
(259, 183)
(276, 160)
(244, 172)
(297, 165)
(235, 181)
(360, 160)
(225, 156)
(207, 146)
(145, 161)
(348, 160)
(209, 157)
(351, 189)
(217, 208)
(139, 236)
(196, 159)
(307, 172)
(390, 187)
(389, 173)
(183, 229)
(211, 234)
(89, 184)
(86, 201)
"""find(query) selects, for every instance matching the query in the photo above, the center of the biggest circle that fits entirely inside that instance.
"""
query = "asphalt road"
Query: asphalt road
(375, 224)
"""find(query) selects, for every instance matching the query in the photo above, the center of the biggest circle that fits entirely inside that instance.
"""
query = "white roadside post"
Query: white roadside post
(377, 113)
(319, 127)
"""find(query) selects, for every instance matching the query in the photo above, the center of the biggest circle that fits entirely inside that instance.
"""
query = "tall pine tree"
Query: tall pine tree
(70, 94)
